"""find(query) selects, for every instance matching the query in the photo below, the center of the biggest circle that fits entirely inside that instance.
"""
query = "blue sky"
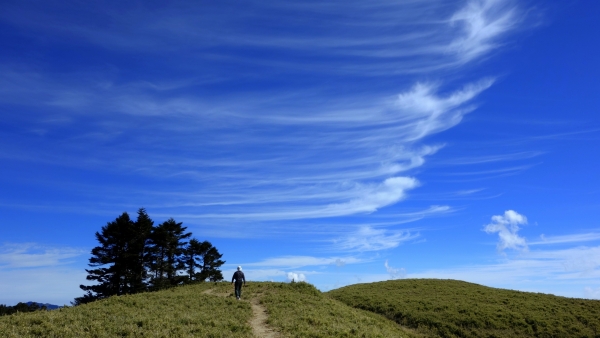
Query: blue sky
(336, 142)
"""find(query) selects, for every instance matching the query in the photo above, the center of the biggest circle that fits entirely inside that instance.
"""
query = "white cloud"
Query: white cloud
(296, 277)
(547, 240)
(31, 255)
(58, 285)
(507, 226)
(284, 154)
(368, 238)
(434, 113)
(563, 272)
(345, 31)
(593, 293)
(395, 273)
(483, 22)
(389, 192)
(34, 272)
(291, 262)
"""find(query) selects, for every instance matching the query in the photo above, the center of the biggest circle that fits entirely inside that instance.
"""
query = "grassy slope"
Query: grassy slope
(451, 308)
(295, 310)
(178, 312)
(300, 310)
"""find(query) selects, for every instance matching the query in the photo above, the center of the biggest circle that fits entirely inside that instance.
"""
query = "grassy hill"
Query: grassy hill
(300, 310)
(450, 308)
(177, 312)
(414, 308)
(294, 310)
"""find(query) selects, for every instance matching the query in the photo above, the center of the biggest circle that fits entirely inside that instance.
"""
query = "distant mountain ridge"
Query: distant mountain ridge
(47, 305)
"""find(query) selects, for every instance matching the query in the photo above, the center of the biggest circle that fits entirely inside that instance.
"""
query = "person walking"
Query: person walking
(239, 279)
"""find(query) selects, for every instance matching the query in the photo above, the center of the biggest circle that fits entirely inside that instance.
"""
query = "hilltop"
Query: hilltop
(402, 308)
(208, 310)
(451, 308)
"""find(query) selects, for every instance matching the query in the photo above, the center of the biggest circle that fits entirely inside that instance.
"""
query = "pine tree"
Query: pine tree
(119, 260)
(205, 257)
(165, 255)
(136, 256)
(140, 240)
(112, 279)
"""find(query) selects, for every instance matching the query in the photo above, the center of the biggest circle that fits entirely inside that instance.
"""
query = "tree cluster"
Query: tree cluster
(136, 256)
(20, 307)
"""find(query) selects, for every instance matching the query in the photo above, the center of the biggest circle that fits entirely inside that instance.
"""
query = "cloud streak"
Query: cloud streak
(548, 240)
(482, 22)
(369, 238)
(294, 262)
(253, 145)
(31, 255)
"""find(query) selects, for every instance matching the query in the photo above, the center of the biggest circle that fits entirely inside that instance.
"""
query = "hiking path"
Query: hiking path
(258, 322)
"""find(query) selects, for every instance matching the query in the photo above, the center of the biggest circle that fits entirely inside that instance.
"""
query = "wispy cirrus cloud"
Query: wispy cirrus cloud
(482, 23)
(367, 238)
(383, 38)
(573, 238)
(268, 151)
(40, 273)
(335, 184)
(294, 262)
(493, 158)
(31, 255)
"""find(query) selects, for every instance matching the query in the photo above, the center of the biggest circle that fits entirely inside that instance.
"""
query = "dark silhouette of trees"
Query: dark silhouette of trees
(165, 255)
(138, 251)
(111, 261)
(137, 256)
(206, 258)
(20, 307)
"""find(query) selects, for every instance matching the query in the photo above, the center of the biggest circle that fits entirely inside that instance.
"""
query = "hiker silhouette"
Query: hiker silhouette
(239, 279)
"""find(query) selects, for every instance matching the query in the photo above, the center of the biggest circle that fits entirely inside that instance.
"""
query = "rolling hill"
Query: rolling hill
(451, 308)
(402, 308)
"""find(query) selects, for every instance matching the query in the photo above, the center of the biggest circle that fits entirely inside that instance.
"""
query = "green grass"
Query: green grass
(300, 310)
(402, 308)
(177, 312)
(449, 308)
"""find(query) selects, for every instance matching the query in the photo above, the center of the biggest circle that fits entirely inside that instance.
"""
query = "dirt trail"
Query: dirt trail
(259, 317)
(259, 321)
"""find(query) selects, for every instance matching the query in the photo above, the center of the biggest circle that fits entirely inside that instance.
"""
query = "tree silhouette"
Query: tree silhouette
(137, 256)
(165, 254)
(110, 260)
(205, 257)
(137, 253)
(119, 260)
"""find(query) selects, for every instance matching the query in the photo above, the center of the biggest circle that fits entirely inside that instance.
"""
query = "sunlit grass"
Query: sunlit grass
(414, 308)
(177, 312)
(300, 310)
(451, 308)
